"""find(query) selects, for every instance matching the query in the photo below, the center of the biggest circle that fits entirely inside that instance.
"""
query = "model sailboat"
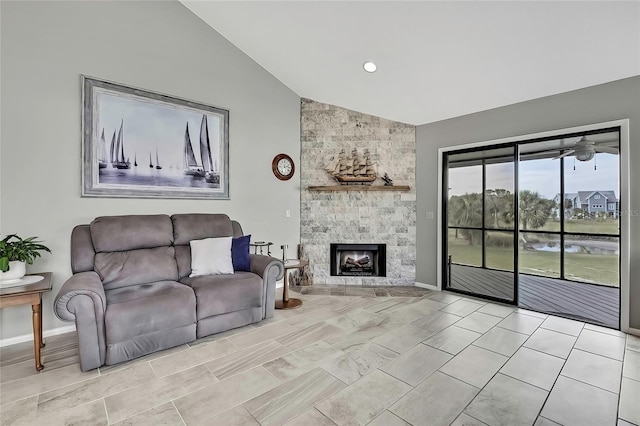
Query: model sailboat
(353, 169)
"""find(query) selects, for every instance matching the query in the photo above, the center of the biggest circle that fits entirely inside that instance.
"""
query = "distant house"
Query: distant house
(591, 202)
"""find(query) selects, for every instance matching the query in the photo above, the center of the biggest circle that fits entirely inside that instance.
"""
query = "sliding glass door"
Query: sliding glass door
(536, 223)
(480, 223)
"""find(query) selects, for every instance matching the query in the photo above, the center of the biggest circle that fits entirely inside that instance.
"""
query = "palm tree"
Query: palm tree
(534, 210)
(497, 201)
(466, 210)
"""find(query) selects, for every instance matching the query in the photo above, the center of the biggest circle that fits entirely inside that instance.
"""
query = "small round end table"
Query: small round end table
(286, 302)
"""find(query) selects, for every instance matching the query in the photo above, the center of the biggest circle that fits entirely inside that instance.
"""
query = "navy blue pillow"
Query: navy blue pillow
(240, 253)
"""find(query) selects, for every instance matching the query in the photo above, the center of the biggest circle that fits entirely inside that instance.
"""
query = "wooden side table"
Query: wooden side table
(29, 294)
(286, 302)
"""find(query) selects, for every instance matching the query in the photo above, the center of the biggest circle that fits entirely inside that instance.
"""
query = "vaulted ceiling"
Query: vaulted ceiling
(436, 59)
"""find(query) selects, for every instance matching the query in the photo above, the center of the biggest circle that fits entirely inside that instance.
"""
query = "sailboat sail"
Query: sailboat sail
(113, 146)
(120, 144)
(205, 146)
(191, 166)
(102, 152)
(158, 166)
(189, 156)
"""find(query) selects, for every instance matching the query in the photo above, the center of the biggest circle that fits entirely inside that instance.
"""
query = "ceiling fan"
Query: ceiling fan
(585, 149)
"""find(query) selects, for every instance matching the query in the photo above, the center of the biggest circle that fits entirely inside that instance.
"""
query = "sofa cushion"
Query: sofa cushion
(121, 233)
(124, 268)
(137, 310)
(221, 294)
(211, 256)
(187, 227)
(240, 253)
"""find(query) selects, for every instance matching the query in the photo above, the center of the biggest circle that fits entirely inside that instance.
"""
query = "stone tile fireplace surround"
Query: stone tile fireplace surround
(362, 217)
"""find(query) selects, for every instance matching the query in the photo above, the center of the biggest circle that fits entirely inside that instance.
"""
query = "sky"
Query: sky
(542, 176)
(148, 125)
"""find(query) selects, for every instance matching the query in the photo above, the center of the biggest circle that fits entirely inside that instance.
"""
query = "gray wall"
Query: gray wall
(606, 102)
(159, 46)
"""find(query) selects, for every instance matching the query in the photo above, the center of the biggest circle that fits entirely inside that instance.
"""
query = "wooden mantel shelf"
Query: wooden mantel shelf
(400, 188)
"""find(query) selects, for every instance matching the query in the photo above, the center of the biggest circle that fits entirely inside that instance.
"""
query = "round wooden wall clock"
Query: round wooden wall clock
(283, 167)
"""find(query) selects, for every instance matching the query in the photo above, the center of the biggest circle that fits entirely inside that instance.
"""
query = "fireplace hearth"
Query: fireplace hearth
(361, 260)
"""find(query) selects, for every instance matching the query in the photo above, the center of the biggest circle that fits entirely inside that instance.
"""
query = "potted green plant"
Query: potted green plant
(15, 253)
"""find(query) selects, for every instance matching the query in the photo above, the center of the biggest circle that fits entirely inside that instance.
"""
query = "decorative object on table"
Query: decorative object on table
(261, 245)
(353, 169)
(142, 122)
(284, 253)
(387, 180)
(15, 253)
(283, 167)
(302, 276)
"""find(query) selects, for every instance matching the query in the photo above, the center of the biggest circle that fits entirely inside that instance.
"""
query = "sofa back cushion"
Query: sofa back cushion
(132, 250)
(121, 233)
(196, 226)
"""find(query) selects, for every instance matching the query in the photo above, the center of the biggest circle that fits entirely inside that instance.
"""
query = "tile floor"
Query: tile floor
(402, 358)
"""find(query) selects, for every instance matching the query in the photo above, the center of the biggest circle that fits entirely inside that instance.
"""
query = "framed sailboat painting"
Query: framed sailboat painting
(142, 144)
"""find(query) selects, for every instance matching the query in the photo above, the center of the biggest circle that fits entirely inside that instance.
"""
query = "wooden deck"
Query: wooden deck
(585, 302)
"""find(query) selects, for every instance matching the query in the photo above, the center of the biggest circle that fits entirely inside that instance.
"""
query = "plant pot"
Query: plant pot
(16, 271)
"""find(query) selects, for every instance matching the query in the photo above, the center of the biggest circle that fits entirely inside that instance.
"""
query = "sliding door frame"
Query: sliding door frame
(625, 193)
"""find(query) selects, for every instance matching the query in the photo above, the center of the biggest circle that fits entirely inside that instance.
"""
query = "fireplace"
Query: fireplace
(362, 260)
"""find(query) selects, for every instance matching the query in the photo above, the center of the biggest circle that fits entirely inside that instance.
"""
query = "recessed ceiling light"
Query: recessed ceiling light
(369, 66)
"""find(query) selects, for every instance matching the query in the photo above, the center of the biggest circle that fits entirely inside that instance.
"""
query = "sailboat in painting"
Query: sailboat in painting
(102, 152)
(207, 167)
(112, 150)
(158, 166)
(210, 174)
(121, 162)
(191, 166)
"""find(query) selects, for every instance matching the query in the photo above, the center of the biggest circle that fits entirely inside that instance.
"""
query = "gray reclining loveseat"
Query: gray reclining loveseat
(131, 293)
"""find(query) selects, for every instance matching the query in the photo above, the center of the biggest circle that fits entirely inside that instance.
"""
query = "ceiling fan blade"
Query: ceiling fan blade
(564, 154)
(607, 149)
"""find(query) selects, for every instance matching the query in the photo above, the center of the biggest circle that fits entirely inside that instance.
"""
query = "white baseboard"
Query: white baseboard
(427, 286)
(29, 337)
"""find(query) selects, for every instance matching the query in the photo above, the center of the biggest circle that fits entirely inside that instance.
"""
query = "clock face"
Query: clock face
(283, 167)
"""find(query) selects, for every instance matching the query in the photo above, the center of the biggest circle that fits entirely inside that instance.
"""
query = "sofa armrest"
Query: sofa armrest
(270, 270)
(82, 299)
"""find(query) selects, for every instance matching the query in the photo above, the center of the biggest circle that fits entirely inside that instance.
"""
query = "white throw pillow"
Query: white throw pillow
(211, 256)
